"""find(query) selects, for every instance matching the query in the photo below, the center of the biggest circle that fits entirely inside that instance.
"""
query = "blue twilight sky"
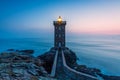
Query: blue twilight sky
(34, 18)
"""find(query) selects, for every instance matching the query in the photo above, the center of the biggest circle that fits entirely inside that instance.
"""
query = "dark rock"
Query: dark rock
(22, 65)
(8, 54)
(70, 57)
(38, 62)
(48, 59)
(85, 69)
(27, 51)
(11, 50)
(107, 77)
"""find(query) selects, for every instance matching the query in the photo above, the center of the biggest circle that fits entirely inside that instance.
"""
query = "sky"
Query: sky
(34, 18)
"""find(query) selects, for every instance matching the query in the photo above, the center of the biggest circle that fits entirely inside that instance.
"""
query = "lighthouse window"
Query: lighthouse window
(59, 28)
(59, 35)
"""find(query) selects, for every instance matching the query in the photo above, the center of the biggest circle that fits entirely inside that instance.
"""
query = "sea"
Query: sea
(95, 51)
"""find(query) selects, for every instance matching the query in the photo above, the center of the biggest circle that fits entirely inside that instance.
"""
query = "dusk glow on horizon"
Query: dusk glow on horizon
(31, 18)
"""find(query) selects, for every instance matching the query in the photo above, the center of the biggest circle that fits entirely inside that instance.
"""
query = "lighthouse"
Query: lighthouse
(59, 33)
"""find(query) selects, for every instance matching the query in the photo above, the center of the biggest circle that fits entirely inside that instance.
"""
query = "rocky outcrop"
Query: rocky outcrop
(48, 59)
(19, 66)
(26, 51)
(71, 60)
(22, 65)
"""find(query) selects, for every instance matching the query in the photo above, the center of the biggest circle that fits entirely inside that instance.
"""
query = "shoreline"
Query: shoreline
(103, 70)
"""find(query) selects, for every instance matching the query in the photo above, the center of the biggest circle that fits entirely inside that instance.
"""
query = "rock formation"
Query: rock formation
(22, 65)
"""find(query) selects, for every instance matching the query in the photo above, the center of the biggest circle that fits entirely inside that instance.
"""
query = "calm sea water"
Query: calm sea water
(101, 52)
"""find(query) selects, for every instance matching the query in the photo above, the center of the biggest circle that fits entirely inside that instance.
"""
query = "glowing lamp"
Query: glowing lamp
(59, 19)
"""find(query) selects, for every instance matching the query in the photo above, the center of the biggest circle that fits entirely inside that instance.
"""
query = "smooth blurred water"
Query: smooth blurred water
(40, 45)
(101, 52)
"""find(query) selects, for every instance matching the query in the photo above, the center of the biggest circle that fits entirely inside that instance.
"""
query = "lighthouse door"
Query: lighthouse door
(59, 44)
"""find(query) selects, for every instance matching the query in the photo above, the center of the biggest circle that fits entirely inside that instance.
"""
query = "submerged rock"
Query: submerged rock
(27, 52)
(11, 50)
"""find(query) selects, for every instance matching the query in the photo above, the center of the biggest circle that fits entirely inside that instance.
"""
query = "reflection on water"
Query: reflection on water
(101, 51)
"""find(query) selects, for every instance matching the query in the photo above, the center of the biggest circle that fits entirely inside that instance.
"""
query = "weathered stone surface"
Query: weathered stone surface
(22, 65)
(16, 66)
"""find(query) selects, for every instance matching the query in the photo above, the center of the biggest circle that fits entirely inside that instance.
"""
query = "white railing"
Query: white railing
(54, 65)
(74, 72)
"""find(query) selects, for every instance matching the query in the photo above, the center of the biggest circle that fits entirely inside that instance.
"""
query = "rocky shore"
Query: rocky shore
(22, 65)
(71, 60)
